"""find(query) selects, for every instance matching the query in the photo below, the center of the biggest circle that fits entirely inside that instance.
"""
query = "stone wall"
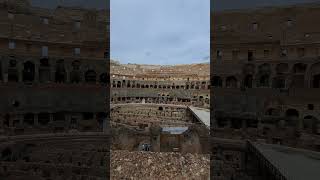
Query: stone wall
(266, 76)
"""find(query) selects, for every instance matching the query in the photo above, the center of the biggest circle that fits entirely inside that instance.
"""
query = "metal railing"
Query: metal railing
(265, 163)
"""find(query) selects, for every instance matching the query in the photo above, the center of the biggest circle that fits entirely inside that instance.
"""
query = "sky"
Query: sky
(162, 32)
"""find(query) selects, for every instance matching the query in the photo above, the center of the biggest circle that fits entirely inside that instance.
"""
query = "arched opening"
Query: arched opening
(28, 71)
(1, 76)
(311, 124)
(297, 81)
(44, 70)
(101, 117)
(75, 75)
(279, 82)
(282, 68)
(292, 113)
(263, 81)
(217, 81)
(59, 116)
(272, 112)
(90, 76)
(103, 79)
(43, 118)
(315, 76)
(28, 119)
(60, 75)
(292, 116)
(87, 115)
(248, 81)
(316, 81)
(236, 123)
(264, 75)
(231, 82)
(299, 68)
(298, 76)
(12, 71)
(6, 154)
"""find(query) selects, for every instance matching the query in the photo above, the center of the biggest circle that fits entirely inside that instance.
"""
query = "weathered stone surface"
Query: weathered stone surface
(159, 165)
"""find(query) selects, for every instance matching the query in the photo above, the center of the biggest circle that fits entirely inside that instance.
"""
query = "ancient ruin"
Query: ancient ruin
(159, 110)
(53, 76)
(265, 82)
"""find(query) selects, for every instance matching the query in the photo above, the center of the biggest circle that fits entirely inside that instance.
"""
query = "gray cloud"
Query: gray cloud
(160, 32)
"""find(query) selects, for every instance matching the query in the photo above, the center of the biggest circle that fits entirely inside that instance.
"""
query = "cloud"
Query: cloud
(160, 32)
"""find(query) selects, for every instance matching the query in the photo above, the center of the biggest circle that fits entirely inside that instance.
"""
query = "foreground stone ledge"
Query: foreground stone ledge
(159, 165)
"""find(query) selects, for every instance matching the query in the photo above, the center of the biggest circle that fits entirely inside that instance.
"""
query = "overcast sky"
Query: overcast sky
(160, 31)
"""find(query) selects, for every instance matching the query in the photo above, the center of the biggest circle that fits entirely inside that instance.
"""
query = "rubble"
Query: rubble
(159, 165)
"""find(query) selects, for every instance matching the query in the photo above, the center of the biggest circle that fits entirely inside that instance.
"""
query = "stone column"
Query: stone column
(19, 71)
(223, 83)
(2, 70)
(254, 82)
(53, 75)
(50, 118)
(67, 76)
(36, 73)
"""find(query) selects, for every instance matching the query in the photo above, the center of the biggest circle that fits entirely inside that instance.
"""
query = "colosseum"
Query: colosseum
(265, 79)
(161, 109)
(53, 76)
